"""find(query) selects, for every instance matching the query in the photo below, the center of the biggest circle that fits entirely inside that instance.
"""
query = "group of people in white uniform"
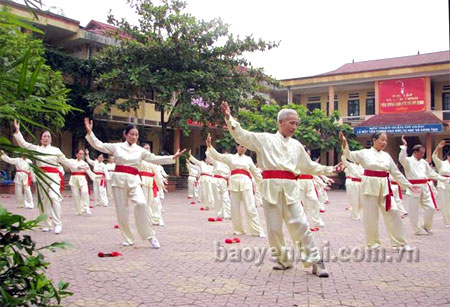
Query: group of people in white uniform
(288, 184)
(422, 201)
(132, 174)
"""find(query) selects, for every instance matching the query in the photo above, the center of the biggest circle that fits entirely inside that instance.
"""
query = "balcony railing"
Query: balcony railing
(127, 120)
(353, 120)
(443, 115)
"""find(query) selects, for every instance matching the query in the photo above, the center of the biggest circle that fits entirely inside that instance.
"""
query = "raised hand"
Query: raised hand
(225, 109)
(86, 152)
(338, 167)
(16, 126)
(343, 139)
(208, 140)
(404, 141)
(441, 144)
(88, 124)
(189, 153)
(178, 153)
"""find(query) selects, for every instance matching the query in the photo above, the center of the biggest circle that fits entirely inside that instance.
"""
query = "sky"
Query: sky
(316, 36)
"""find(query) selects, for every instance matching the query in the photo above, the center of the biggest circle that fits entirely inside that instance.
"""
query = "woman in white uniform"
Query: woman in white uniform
(22, 180)
(126, 182)
(376, 191)
(99, 168)
(241, 188)
(443, 167)
(51, 185)
(110, 166)
(205, 188)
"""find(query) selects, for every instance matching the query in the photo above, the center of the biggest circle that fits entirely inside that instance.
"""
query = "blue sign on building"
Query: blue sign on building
(425, 128)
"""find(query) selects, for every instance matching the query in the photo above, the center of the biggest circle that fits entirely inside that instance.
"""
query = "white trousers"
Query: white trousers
(51, 203)
(444, 203)
(421, 210)
(206, 193)
(355, 199)
(222, 198)
(371, 207)
(298, 227)
(21, 191)
(81, 198)
(311, 206)
(244, 199)
(142, 214)
(192, 189)
(100, 196)
(109, 192)
(153, 203)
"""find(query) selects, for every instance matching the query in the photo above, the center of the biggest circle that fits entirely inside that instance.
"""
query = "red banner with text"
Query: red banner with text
(402, 95)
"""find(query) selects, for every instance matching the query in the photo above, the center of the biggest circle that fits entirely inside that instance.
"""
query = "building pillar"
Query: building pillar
(176, 146)
(377, 97)
(289, 95)
(427, 94)
(331, 110)
(429, 148)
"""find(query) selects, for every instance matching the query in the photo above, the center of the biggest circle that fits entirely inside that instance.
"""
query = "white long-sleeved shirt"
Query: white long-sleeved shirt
(54, 156)
(238, 182)
(417, 169)
(98, 167)
(353, 170)
(275, 152)
(150, 181)
(443, 167)
(22, 165)
(194, 170)
(374, 160)
(204, 167)
(127, 155)
(110, 167)
(79, 166)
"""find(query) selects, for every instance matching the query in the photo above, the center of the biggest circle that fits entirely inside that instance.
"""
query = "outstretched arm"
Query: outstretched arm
(251, 140)
(436, 160)
(4, 157)
(94, 142)
(88, 159)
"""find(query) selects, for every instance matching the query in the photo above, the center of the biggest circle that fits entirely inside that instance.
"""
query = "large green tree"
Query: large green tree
(191, 64)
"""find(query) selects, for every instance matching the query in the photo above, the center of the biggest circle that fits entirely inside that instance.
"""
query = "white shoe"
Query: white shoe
(262, 235)
(58, 229)
(429, 231)
(161, 223)
(421, 232)
(406, 248)
(125, 243)
(89, 213)
(321, 224)
(154, 243)
(46, 229)
(447, 226)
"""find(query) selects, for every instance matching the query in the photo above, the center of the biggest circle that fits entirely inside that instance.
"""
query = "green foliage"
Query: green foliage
(22, 265)
(316, 130)
(180, 58)
(29, 89)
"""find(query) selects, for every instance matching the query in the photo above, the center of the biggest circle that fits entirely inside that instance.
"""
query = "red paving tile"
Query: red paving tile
(185, 271)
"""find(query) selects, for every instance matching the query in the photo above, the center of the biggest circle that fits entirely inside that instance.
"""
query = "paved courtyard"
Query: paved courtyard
(186, 270)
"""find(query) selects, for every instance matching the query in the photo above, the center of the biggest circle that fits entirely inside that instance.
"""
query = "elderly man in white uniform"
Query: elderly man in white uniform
(282, 159)
(443, 167)
(221, 176)
(51, 185)
(376, 191)
(418, 171)
(241, 188)
(22, 180)
(126, 182)
(99, 168)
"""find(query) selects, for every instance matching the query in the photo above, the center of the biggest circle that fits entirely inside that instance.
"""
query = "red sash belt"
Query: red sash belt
(54, 170)
(28, 174)
(425, 181)
(148, 174)
(242, 172)
(85, 176)
(348, 177)
(400, 193)
(356, 179)
(276, 174)
(126, 169)
(102, 181)
(305, 177)
(221, 177)
(381, 174)
(205, 174)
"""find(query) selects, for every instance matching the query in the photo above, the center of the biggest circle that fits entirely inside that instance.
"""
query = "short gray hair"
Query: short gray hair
(284, 113)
